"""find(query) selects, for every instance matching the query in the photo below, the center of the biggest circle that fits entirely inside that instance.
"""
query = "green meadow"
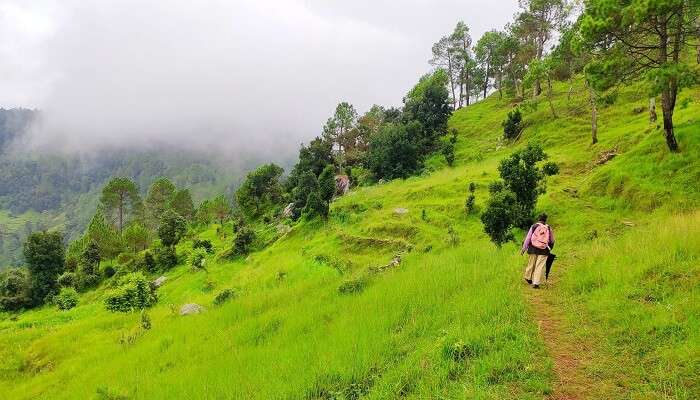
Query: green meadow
(314, 316)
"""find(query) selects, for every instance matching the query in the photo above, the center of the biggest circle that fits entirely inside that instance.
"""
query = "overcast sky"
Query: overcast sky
(226, 74)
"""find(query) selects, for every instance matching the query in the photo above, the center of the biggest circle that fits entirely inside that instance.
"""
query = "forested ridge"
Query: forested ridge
(384, 262)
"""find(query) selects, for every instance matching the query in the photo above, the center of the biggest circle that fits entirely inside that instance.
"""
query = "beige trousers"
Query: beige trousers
(534, 270)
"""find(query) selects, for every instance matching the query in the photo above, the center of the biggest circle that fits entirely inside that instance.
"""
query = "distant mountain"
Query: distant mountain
(40, 190)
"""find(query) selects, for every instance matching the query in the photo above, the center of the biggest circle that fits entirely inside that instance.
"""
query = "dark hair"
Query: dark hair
(542, 217)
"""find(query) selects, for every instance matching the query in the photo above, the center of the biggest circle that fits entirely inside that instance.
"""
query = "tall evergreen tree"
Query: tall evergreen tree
(121, 196)
(643, 39)
(159, 195)
(181, 202)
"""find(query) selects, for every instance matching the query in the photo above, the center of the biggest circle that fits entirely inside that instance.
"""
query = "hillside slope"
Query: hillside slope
(312, 320)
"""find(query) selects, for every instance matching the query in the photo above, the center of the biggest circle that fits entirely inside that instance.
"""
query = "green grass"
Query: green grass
(452, 321)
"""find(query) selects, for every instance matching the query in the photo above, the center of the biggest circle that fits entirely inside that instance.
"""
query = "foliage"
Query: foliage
(90, 257)
(471, 198)
(224, 296)
(513, 199)
(316, 206)
(326, 184)
(108, 240)
(134, 293)
(393, 153)
(66, 299)
(145, 320)
(512, 126)
(67, 279)
(198, 259)
(307, 184)
(448, 147)
(428, 105)
(120, 196)
(203, 244)
(165, 258)
(172, 228)
(136, 237)
(15, 289)
(522, 175)
(643, 39)
(181, 202)
(150, 263)
(157, 200)
(220, 208)
(260, 191)
(501, 210)
(44, 255)
(243, 242)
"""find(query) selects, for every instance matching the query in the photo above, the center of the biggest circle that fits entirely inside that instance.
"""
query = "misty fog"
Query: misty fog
(215, 75)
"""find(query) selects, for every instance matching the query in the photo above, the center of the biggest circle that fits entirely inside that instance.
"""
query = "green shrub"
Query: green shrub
(84, 281)
(198, 258)
(499, 215)
(108, 271)
(206, 244)
(512, 126)
(66, 299)
(135, 293)
(149, 263)
(14, 289)
(243, 241)
(224, 296)
(315, 206)
(66, 279)
(145, 320)
(166, 257)
(352, 286)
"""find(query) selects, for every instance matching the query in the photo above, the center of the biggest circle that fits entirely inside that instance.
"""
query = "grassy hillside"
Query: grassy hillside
(312, 318)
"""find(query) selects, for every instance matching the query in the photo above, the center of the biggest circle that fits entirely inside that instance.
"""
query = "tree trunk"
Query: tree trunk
(486, 81)
(549, 96)
(652, 109)
(121, 212)
(594, 114)
(461, 86)
(667, 108)
(452, 81)
(670, 89)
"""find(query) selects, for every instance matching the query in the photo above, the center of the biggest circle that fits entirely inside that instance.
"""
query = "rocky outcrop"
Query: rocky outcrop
(191, 308)
(342, 185)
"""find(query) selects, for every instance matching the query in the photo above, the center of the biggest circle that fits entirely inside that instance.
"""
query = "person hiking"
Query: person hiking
(538, 242)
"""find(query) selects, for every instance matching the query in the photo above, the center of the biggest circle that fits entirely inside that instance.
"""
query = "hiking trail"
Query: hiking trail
(567, 353)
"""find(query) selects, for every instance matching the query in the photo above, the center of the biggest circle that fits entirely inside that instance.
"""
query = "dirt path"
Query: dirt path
(568, 354)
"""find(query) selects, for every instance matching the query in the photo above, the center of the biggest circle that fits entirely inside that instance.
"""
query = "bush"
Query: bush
(85, 281)
(165, 258)
(224, 296)
(149, 263)
(66, 299)
(66, 279)
(243, 241)
(198, 259)
(14, 289)
(315, 206)
(448, 150)
(393, 152)
(145, 320)
(499, 215)
(512, 126)
(135, 293)
(206, 244)
(109, 271)
(352, 286)
(471, 198)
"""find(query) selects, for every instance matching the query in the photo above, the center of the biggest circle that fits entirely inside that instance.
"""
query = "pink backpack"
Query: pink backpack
(540, 236)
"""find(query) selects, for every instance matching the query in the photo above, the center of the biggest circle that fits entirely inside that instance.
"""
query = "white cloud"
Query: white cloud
(224, 74)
